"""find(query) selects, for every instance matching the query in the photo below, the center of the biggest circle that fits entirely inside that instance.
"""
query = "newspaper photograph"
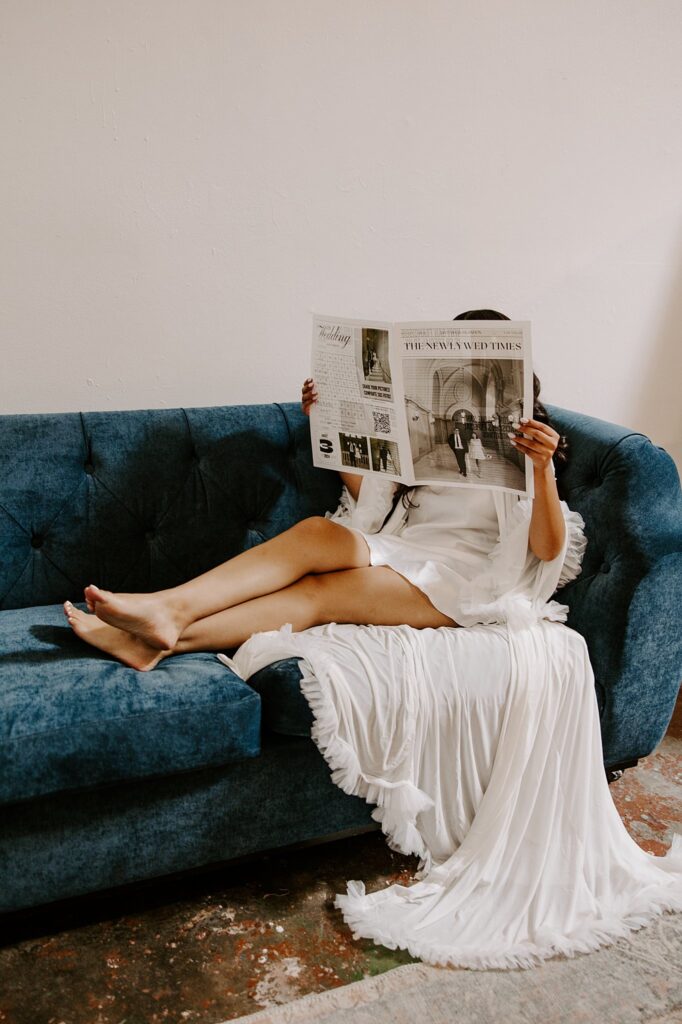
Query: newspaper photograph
(430, 402)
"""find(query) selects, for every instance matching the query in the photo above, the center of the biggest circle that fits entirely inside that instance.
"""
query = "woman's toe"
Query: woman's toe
(92, 595)
(75, 615)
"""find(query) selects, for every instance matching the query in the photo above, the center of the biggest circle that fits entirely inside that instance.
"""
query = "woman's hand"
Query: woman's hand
(547, 527)
(308, 395)
(353, 481)
(538, 441)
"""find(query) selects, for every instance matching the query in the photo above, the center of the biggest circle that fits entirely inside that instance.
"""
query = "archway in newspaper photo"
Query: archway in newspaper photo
(459, 415)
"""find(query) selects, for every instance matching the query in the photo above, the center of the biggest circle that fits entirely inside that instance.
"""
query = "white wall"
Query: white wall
(184, 182)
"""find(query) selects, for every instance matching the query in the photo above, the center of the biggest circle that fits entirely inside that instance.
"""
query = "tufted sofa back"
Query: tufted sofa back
(146, 499)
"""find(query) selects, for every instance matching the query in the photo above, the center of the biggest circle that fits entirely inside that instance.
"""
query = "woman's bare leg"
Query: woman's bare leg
(315, 545)
(374, 595)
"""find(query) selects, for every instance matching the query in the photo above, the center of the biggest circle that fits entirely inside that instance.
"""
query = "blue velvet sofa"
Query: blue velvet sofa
(108, 775)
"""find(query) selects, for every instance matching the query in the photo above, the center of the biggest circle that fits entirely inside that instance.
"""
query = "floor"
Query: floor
(219, 945)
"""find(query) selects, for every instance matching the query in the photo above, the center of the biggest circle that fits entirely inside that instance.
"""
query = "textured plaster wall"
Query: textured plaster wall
(183, 183)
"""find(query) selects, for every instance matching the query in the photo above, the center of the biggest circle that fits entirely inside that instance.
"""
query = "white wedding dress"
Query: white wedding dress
(481, 747)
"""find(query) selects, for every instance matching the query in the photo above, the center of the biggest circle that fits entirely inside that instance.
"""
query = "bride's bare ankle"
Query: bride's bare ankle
(176, 606)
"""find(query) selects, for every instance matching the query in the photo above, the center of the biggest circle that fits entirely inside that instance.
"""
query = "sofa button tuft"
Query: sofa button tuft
(605, 567)
(89, 468)
(149, 536)
(37, 541)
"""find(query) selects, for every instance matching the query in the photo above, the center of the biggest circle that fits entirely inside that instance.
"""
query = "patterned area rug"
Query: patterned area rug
(635, 981)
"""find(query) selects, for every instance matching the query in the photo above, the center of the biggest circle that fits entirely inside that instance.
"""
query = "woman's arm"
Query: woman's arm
(353, 481)
(547, 527)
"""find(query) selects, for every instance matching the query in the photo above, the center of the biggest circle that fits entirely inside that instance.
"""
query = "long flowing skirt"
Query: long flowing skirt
(481, 748)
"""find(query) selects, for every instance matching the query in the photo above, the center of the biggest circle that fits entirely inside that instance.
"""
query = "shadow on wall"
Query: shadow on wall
(659, 402)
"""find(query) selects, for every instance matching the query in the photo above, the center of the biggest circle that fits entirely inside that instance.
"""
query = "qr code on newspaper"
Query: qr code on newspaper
(382, 422)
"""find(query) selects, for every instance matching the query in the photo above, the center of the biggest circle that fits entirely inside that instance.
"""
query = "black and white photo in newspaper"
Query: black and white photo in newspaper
(466, 385)
(353, 424)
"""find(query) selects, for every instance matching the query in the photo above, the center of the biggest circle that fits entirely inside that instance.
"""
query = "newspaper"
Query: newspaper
(429, 402)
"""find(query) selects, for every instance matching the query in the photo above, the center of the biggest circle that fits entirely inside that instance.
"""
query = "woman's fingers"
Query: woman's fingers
(535, 439)
(542, 438)
(534, 436)
(540, 452)
(308, 394)
(529, 444)
(537, 429)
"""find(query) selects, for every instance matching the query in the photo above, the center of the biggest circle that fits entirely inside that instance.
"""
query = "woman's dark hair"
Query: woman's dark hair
(560, 457)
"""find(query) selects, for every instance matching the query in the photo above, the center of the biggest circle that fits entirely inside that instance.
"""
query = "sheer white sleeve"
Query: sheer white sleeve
(576, 542)
(517, 587)
(345, 507)
(571, 557)
(372, 505)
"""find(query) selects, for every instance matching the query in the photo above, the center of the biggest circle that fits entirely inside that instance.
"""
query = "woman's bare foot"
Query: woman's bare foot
(131, 650)
(143, 615)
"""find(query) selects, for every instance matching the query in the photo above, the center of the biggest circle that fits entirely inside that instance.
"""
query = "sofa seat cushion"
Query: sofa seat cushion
(72, 717)
(285, 709)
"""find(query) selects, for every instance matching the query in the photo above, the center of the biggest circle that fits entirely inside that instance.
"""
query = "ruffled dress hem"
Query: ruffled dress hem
(398, 804)
(357, 907)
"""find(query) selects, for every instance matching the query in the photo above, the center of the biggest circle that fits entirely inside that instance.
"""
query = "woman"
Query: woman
(480, 748)
(324, 570)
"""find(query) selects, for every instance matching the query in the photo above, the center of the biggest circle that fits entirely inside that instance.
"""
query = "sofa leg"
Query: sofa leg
(616, 771)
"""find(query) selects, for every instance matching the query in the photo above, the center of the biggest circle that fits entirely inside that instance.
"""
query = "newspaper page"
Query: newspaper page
(423, 402)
